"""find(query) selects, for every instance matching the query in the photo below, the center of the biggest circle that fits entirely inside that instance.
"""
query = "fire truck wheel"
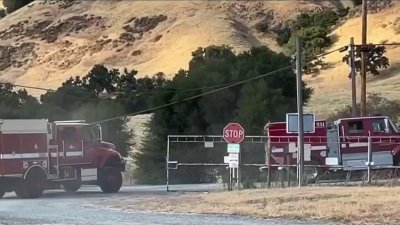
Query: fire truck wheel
(110, 180)
(33, 185)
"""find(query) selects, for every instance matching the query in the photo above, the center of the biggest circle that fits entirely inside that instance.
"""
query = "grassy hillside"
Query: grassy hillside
(332, 86)
(42, 44)
(51, 42)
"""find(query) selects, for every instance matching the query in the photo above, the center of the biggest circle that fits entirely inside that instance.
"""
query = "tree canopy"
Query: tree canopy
(13, 5)
(376, 59)
(252, 104)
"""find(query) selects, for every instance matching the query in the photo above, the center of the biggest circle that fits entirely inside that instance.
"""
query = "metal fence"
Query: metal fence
(192, 159)
(200, 159)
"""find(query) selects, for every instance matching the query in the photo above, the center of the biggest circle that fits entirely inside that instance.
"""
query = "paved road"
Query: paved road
(59, 208)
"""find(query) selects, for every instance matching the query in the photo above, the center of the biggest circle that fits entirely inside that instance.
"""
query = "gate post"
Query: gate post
(369, 158)
(167, 164)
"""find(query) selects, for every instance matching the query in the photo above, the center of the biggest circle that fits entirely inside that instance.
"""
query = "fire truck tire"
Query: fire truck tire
(110, 180)
(33, 184)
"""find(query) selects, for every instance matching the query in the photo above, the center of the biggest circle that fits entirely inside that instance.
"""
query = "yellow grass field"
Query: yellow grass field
(354, 205)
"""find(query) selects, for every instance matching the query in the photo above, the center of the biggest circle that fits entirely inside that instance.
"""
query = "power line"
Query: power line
(28, 87)
(196, 96)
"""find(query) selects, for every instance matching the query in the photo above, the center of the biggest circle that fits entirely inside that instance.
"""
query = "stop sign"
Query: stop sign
(233, 133)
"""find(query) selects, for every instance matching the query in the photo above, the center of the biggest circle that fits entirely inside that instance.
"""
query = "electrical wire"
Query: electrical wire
(28, 87)
(195, 96)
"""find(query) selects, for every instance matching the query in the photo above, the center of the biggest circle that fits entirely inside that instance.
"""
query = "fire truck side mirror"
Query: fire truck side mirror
(100, 132)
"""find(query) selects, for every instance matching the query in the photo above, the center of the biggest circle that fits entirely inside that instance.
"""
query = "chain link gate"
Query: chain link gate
(196, 162)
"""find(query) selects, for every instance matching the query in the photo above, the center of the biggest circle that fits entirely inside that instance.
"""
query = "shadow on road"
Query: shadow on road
(93, 192)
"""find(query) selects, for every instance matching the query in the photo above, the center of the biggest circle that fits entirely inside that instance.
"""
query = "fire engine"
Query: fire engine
(36, 155)
(341, 145)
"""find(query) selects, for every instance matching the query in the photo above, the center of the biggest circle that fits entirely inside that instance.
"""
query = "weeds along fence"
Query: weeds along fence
(192, 159)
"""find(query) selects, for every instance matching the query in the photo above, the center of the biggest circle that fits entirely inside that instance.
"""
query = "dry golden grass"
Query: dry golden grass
(190, 24)
(332, 86)
(355, 205)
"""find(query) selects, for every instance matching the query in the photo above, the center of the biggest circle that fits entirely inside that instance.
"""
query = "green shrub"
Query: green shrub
(13, 5)
(283, 37)
(2, 13)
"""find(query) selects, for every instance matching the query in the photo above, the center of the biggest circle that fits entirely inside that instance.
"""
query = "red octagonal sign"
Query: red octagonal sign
(233, 133)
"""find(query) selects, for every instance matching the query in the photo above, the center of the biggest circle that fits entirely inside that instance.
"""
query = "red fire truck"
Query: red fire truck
(341, 145)
(36, 154)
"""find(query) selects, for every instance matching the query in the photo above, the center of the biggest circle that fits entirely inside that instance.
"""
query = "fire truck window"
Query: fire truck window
(87, 136)
(69, 133)
(391, 128)
(355, 127)
(378, 125)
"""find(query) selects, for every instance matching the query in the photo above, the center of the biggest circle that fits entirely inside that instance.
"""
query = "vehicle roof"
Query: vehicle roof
(71, 123)
(363, 117)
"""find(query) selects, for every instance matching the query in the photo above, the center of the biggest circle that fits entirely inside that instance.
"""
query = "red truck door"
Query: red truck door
(70, 143)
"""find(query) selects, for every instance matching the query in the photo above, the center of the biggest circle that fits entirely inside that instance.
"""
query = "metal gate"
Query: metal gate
(196, 162)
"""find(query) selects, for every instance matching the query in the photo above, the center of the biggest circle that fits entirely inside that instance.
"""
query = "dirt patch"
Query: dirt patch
(136, 27)
(45, 31)
(16, 55)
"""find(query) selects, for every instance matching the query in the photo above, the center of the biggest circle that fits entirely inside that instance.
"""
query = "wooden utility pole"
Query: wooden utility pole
(353, 80)
(300, 149)
(363, 60)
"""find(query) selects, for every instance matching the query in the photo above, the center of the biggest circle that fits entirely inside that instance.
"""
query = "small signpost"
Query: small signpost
(233, 134)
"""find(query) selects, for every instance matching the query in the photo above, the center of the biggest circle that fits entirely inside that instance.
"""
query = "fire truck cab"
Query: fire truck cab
(36, 155)
(341, 145)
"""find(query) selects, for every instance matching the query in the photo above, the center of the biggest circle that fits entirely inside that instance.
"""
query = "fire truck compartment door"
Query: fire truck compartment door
(333, 144)
(356, 161)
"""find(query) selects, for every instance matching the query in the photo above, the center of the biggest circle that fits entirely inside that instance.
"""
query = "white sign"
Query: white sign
(233, 148)
(209, 144)
(292, 122)
(233, 160)
(233, 157)
(234, 164)
(226, 159)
